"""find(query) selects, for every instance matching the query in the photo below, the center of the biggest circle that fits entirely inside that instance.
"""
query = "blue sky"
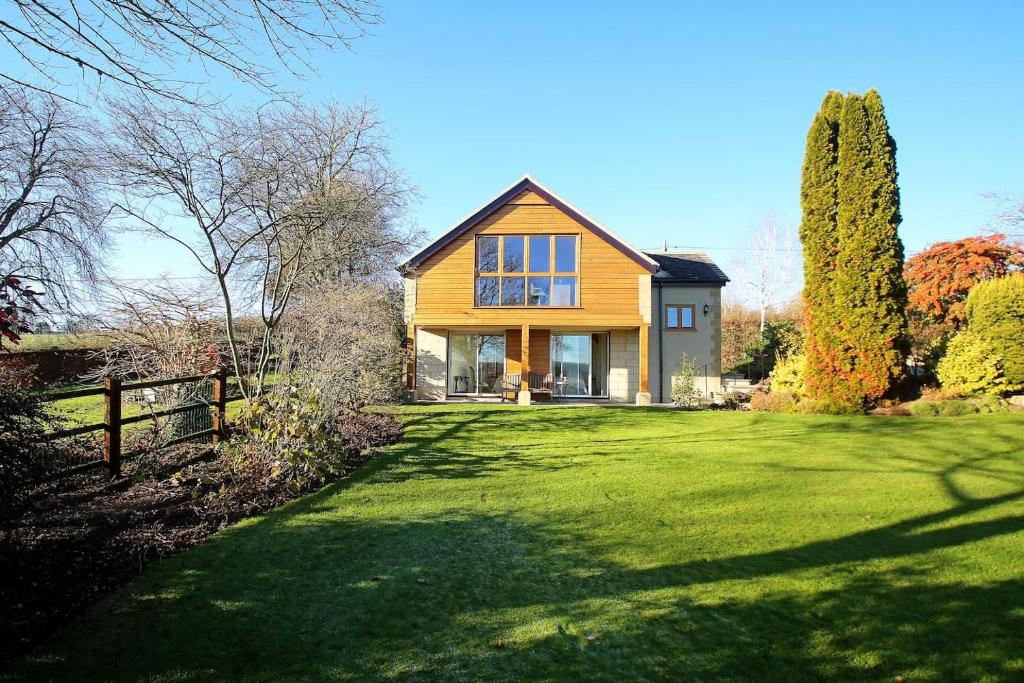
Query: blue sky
(679, 121)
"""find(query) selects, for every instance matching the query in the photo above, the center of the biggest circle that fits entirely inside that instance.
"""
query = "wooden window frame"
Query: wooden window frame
(679, 312)
(526, 273)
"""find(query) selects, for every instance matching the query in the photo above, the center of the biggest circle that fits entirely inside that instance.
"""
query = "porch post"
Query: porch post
(524, 358)
(643, 397)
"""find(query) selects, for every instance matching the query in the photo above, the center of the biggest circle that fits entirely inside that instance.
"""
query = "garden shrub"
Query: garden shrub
(995, 312)
(284, 435)
(992, 404)
(788, 374)
(736, 400)
(972, 366)
(773, 402)
(958, 407)
(826, 406)
(287, 437)
(345, 346)
(24, 420)
(685, 393)
(18, 375)
(925, 408)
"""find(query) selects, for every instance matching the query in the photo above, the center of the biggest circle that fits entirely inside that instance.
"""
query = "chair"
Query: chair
(507, 387)
(540, 384)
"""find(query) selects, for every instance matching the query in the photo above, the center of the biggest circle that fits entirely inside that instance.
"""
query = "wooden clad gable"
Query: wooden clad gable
(610, 275)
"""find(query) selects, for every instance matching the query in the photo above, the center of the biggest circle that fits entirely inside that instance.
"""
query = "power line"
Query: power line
(661, 247)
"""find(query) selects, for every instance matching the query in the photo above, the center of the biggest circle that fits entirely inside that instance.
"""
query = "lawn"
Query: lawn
(604, 544)
(60, 340)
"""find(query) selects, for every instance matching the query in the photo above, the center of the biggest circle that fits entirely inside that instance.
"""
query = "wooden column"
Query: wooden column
(220, 402)
(644, 333)
(111, 427)
(524, 380)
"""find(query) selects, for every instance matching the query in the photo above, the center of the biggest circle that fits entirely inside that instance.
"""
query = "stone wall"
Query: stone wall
(624, 377)
(431, 364)
(702, 345)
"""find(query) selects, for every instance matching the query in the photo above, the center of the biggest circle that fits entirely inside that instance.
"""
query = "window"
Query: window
(564, 292)
(534, 270)
(487, 254)
(512, 291)
(540, 291)
(679, 317)
(513, 254)
(540, 254)
(487, 291)
(565, 254)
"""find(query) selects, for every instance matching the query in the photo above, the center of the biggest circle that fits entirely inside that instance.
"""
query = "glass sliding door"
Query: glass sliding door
(475, 363)
(579, 364)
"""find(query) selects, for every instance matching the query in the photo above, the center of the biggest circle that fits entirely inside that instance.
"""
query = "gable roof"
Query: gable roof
(528, 183)
(692, 267)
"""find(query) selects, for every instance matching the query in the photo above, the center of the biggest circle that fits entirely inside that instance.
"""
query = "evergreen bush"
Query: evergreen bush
(995, 313)
(972, 366)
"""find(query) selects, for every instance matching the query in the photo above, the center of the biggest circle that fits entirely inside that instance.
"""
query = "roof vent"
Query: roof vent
(662, 273)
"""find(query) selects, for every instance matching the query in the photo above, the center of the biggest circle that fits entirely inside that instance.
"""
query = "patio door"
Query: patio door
(579, 364)
(475, 363)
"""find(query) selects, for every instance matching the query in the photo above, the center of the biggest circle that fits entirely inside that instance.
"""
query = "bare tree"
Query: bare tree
(347, 343)
(262, 190)
(768, 267)
(53, 212)
(159, 331)
(146, 44)
(1011, 215)
(325, 198)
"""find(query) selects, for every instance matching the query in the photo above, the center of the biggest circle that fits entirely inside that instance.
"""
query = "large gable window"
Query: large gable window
(534, 270)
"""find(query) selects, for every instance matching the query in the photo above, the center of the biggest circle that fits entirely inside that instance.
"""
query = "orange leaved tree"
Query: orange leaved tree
(939, 278)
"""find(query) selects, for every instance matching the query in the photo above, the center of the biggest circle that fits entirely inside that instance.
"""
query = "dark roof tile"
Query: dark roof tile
(694, 267)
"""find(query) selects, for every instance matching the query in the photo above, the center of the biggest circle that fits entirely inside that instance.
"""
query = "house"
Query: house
(528, 298)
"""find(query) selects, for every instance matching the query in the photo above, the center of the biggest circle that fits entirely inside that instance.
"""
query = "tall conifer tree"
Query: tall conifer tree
(819, 200)
(888, 295)
(857, 330)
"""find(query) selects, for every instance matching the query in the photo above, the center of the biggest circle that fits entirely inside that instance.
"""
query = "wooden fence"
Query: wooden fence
(113, 390)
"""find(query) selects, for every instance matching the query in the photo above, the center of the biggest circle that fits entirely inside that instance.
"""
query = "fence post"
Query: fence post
(220, 395)
(111, 427)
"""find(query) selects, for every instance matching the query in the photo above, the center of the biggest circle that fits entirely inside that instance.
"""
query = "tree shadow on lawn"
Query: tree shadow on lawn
(469, 443)
(460, 450)
(302, 595)
(465, 444)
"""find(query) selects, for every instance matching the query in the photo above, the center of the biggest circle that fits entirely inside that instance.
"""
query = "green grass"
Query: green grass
(89, 409)
(60, 340)
(85, 409)
(605, 544)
